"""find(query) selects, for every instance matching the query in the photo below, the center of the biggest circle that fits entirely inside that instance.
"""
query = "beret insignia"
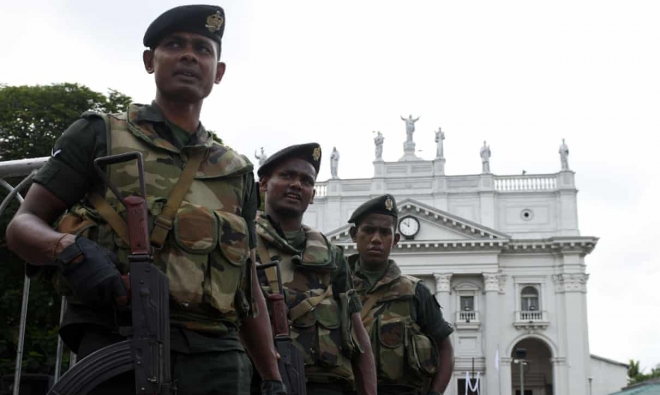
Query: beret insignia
(214, 22)
(389, 204)
(316, 154)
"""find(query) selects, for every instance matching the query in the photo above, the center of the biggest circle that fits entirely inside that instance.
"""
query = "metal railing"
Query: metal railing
(26, 168)
(530, 315)
(467, 316)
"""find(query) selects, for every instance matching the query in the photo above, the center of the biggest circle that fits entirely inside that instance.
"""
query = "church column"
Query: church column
(568, 218)
(559, 373)
(442, 295)
(487, 205)
(491, 330)
(506, 385)
(440, 196)
(572, 288)
(442, 290)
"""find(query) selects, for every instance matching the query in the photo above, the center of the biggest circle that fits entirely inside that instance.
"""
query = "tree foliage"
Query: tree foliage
(31, 119)
(636, 374)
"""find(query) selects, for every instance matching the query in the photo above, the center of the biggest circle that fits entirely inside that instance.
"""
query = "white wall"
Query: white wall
(607, 376)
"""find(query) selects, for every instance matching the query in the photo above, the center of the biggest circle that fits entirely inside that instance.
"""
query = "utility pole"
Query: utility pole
(521, 353)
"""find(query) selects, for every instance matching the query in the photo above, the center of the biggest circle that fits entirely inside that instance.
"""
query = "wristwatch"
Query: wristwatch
(68, 255)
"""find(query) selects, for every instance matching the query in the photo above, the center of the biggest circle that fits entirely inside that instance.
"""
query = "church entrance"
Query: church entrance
(531, 369)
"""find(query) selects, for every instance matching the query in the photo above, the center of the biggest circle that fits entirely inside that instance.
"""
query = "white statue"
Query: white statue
(485, 159)
(410, 127)
(378, 140)
(563, 154)
(262, 157)
(439, 137)
(334, 162)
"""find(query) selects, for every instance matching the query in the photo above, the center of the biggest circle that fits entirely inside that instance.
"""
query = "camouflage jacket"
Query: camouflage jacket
(206, 252)
(403, 354)
(322, 333)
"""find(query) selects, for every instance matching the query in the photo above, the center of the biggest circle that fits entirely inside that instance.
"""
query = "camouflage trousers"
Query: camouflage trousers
(206, 373)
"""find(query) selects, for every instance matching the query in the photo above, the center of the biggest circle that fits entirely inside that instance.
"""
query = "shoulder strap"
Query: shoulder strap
(369, 304)
(110, 216)
(163, 222)
(308, 304)
(271, 272)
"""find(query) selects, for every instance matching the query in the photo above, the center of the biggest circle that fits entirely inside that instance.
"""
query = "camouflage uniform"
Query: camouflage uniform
(402, 325)
(323, 333)
(206, 253)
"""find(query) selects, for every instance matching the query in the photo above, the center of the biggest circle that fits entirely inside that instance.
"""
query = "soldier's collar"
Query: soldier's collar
(271, 232)
(316, 251)
(391, 274)
(152, 113)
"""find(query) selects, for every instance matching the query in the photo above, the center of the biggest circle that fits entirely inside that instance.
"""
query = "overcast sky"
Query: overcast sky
(521, 75)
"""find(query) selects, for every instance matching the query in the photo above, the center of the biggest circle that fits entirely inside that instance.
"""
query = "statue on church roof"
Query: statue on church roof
(334, 162)
(439, 137)
(378, 141)
(261, 157)
(485, 159)
(563, 154)
(410, 128)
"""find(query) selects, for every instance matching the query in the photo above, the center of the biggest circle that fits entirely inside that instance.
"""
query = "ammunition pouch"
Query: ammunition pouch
(324, 335)
(403, 354)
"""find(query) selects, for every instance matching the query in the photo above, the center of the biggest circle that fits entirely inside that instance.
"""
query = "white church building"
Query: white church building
(505, 259)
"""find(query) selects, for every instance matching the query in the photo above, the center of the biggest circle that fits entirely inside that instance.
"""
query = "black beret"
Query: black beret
(206, 20)
(311, 152)
(385, 204)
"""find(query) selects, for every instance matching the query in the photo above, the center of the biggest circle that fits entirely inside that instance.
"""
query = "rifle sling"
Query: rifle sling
(110, 216)
(271, 272)
(371, 301)
(164, 221)
(308, 304)
(303, 307)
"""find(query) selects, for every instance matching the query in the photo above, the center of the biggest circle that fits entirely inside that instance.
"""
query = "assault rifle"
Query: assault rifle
(147, 350)
(291, 363)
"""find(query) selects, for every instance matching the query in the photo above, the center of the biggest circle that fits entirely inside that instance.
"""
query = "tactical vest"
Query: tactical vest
(403, 354)
(206, 250)
(323, 332)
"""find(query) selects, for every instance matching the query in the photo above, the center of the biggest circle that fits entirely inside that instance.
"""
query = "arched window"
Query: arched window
(529, 299)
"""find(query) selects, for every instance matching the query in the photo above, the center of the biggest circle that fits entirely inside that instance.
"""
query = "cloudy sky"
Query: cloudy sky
(521, 75)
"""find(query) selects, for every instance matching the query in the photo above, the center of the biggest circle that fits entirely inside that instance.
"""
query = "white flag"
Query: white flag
(497, 358)
(468, 384)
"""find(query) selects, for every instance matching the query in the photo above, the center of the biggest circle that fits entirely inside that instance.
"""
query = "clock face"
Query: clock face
(409, 226)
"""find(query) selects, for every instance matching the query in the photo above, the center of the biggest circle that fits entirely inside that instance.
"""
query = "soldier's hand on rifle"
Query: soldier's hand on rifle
(272, 387)
(92, 273)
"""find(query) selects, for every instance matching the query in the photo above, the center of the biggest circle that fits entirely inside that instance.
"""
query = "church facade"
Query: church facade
(504, 257)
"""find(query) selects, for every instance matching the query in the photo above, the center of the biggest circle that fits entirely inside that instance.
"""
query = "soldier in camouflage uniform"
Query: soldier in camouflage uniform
(323, 306)
(203, 242)
(409, 337)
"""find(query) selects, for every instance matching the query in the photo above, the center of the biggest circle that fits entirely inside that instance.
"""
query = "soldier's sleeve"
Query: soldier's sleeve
(69, 173)
(428, 314)
(342, 282)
